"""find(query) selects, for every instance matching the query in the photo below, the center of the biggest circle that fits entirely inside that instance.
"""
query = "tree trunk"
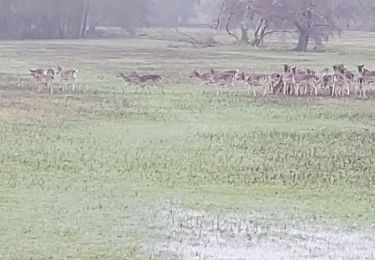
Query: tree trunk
(303, 40)
(244, 35)
(85, 19)
(303, 37)
(260, 33)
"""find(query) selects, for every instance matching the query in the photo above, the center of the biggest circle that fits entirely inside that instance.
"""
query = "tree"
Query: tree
(311, 20)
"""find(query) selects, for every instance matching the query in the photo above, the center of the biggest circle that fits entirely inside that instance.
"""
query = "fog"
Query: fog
(246, 21)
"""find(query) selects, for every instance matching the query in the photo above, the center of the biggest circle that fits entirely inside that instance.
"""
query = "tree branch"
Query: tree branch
(228, 29)
(219, 16)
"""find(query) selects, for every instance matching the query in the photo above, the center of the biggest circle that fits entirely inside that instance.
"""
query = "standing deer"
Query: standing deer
(68, 75)
(225, 79)
(366, 77)
(307, 80)
(257, 79)
(43, 77)
(340, 81)
(288, 79)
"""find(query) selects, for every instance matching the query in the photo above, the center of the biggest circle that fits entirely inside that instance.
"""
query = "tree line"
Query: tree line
(310, 21)
(43, 19)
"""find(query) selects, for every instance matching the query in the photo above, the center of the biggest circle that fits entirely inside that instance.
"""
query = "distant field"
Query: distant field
(105, 173)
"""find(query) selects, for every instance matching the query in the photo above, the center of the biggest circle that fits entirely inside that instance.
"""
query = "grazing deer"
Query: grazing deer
(67, 75)
(143, 81)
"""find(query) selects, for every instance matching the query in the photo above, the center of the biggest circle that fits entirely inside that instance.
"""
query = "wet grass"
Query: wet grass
(99, 173)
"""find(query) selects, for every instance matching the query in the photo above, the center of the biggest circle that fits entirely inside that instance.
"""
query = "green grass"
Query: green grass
(87, 175)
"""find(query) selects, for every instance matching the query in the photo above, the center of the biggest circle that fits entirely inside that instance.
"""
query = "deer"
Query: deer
(365, 78)
(288, 79)
(340, 68)
(224, 72)
(38, 71)
(340, 81)
(326, 80)
(275, 82)
(257, 79)
(365, 72)
(225, 79)
(45, 80)
(205, 78)
(67, 75)
(306, 71)
(148, 80)
(309, 81)
(129, 80)
(43, 77)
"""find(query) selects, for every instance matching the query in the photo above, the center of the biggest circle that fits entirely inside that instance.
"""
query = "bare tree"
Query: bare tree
(311, 20)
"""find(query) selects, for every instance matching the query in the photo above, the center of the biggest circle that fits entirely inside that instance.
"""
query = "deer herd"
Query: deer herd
(293, 81)
(45, 77)
(339, 81)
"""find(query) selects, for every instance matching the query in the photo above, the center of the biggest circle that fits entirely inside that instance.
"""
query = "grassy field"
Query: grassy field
(105, 173)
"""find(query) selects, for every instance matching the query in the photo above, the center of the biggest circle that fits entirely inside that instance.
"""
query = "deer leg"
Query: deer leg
(364, 91)
(254, 91)
(50, 86)
(296, 90)
(357, 89)
(249, 89)
(348, 88)
(229, 89)
(218, 90)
